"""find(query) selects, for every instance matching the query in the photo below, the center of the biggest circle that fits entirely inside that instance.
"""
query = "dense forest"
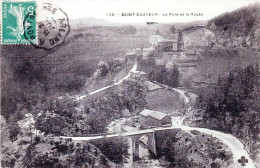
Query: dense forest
(241, 21)
(38, 82)
(232, 106)
(56, 118)
(31, 82)
(169, 76)
(182, 149)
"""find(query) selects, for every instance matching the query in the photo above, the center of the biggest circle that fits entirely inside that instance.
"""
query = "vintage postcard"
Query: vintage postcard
(130, 83)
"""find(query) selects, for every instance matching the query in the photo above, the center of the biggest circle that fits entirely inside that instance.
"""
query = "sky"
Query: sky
(203, 9)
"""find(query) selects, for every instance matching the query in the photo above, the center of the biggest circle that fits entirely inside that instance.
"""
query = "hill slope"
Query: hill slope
(243, 21)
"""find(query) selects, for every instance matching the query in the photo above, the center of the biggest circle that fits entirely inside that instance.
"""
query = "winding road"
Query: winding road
(232, 142)
(237, 148)
(77, 98)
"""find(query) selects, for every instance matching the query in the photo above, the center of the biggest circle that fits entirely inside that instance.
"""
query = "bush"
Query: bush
(230, 106)
(115, 149)
(14, 130)
(170, 77)
(103, 68)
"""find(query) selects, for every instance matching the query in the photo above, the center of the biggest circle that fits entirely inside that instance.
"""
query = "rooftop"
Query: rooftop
(148, 49)
(139, 72)
(154, 114)
(190, 51)
(168, 41)
(152, 86)
(131, 53)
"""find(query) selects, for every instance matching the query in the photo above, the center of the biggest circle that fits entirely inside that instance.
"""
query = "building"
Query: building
(180, 43)
(149, 52)
(147, 61)
(138, 75)
(167, 46)
(133, 54)
(154, 39)
(152, 86)
(190, 52)
(258, 78)
(202, 83)
(171, 45)
(130, 55)
(151, 118)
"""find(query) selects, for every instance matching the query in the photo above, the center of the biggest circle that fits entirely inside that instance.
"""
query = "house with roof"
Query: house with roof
(175, 45)
(154, 39)
(152, 118)
(138, 75)
(133, 54)
(152, 86)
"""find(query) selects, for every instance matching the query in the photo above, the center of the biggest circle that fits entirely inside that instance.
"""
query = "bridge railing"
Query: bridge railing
(165, 125)
(100, 134)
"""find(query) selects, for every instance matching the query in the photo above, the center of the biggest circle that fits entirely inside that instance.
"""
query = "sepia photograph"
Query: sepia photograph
(130, 84)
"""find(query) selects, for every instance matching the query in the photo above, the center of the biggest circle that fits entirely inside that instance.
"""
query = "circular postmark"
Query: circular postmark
(52, 26)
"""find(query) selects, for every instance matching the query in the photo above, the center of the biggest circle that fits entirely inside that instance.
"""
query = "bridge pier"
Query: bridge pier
(151, 146)
(135, 147)
(151, 143)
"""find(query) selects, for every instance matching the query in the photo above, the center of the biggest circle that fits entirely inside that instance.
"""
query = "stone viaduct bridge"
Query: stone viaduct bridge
(150, 144)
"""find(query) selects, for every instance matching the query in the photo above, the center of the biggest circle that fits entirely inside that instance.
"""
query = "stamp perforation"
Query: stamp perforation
(12, 17)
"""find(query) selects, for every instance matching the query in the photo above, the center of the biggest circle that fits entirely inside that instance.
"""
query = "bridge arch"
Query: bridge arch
(136, 141)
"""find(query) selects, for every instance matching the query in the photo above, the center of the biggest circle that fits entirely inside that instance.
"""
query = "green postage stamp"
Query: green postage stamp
(14, 25)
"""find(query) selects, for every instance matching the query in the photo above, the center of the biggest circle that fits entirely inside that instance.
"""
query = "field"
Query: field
(164, 100)
(34, 72)
(219, 65)
(88, 50)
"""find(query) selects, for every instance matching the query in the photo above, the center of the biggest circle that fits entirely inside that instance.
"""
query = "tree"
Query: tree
(103, 67)
(158, 32)
(127, 29)
(228, 99)
(174, 77)
(173, 29)
(14, 130)
(129, 96)
(167, 149)
(213, 26)
(209, 36)
(157, 74)
(96, 122)
(115, 149)
(191, 149)
(134, 95)
(187, 41)
(211, 149)
(103, 161)
(257, 36)
(58, 118)
(169, 76)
